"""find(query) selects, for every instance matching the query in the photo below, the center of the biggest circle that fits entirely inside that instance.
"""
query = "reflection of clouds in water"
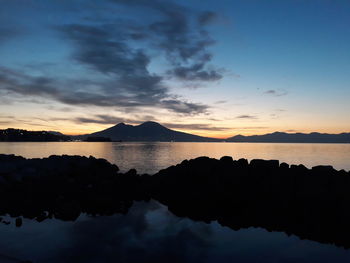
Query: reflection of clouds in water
(138, 236)
(149, 233)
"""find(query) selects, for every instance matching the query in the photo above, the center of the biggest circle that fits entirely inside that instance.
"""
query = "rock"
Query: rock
(242, 163)
(68, 211)
(284, 166)
(310, 203)
(18, 222)
(131, 172)
(226, 160)
(270, 164)
(323, 169)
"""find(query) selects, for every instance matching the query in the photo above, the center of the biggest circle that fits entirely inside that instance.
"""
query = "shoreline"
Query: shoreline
(309, 203)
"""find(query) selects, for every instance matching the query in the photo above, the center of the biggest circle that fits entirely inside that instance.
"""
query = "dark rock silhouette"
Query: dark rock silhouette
(147, 131)
(313, 137)
(16, 135)
(155, 132)
(310, 203)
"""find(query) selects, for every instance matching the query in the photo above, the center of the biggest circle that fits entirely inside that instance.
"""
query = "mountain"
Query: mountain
(147, 131)
(56, 133)
(17, 135)
(314, 137)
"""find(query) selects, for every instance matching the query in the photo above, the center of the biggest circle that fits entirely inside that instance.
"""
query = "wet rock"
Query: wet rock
(310, 203)
(131, 172)
(284, 166)
(18, 222)
(242, 163)
(226, 159)
(68, 211)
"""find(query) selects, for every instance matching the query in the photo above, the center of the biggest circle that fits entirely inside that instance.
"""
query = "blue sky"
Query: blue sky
(214, 68)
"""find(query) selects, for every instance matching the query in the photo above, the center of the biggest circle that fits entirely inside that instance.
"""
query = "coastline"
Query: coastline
(310, 203)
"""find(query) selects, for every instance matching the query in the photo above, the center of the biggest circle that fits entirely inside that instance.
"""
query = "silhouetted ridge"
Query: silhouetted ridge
(282, 137)
(147, 131)
(17, 135)
(151, 124)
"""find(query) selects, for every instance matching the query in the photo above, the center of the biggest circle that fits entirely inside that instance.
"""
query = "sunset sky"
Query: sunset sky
(213, 68)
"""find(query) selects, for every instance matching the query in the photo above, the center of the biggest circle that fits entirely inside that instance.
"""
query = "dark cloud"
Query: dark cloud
(63, 109)
(7, 119)
(127, 94)
(101, 48)
(207, 17)
(247, 117)
(18, 82)
(110, 119)
(117, 52)
(7, 33)
(195, 72)
(220, 101)
(181, 34)
(184, 107)
(101, 119)
(5, 122)
(276, 93)
(202, 126)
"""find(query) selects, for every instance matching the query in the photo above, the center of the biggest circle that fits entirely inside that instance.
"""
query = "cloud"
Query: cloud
(200, 126)
(7, 33)
(117, 53)
(247, 117)
(250, 128)
(195, 72)
(101, 119)
(109, 95)
(182, 35)
(136, 237)
(109, 119)
(220, 102)
(102, 50)
(207, 17)
(62, 109)
(185, 107)
(276, 93)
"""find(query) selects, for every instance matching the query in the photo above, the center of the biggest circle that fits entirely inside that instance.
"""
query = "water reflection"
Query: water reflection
(150, 233)
(150, 157)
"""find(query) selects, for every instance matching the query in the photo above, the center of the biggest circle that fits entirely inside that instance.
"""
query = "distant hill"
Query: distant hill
(153, 131)
(56, 133)
(147, 131)
(17, 135)
(293, 138)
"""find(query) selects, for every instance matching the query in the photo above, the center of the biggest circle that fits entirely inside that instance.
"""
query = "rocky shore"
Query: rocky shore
(310, 203)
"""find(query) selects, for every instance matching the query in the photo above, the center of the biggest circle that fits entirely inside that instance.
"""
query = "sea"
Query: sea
(151, 233)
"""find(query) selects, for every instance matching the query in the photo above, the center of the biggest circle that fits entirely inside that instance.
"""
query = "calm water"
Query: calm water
(149, 232)
(151, 157)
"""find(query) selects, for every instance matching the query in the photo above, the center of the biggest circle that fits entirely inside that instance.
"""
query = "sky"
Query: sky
(211, 68)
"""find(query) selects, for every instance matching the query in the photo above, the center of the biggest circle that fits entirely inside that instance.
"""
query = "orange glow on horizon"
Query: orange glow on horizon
(87, 129)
